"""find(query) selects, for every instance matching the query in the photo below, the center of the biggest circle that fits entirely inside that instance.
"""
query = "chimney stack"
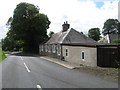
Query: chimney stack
(65, 26)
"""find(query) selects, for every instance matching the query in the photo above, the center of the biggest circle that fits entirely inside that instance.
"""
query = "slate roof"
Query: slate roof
(109, 38)
(69, 36)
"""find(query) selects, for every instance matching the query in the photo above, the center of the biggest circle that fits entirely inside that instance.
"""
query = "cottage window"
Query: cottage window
(66, 52)
(58, 50)
(53, 48)
(49, 48)
(83, 55)
(46, 48)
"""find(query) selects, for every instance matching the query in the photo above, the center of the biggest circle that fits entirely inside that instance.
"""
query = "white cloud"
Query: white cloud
(82, 15)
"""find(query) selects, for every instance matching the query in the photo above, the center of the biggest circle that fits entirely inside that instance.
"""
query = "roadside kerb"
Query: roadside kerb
(62, 64)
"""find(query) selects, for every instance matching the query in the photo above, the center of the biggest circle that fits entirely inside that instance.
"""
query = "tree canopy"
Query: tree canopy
(94, 33)
(111, 26)
(28, 26)
(51, 33)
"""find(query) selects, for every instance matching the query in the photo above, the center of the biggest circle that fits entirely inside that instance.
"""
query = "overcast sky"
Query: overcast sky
(80, 14)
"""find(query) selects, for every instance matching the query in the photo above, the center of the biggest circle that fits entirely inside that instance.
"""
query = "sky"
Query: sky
(82, 15)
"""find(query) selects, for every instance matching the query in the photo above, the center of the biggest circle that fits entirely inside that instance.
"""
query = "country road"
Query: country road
(20, 71)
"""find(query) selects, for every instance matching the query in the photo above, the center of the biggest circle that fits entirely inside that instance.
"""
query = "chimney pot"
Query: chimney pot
(66, 22)
(65, 26)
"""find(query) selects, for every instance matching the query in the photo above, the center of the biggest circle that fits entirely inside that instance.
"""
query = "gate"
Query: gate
(107, 56)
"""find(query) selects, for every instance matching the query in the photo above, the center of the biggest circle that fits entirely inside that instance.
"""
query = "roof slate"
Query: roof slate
(69, 36)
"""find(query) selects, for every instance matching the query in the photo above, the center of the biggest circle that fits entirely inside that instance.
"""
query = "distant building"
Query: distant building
(109, 38)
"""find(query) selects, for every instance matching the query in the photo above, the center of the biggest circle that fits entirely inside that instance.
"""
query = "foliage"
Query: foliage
(94, 33)
(2, 55)
(116, 40)
(51, 33)
(111, 26)
(9, 44)
(28, 27)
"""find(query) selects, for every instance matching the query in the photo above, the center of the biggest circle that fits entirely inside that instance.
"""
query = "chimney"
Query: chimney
(65, 26)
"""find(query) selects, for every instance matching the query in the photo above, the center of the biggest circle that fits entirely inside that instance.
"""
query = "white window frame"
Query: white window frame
(46, 49)
(49, 48)
(58, 50)
(66, 53)
(83, 53)
(53, 48)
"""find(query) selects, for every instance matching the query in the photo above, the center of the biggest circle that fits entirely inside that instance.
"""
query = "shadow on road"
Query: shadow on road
(24, 54)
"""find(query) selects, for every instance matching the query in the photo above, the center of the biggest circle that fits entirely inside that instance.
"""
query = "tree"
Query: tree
(51, 33)
(116, 40)
(28, 26)
(94, 33)
(111, 26)
(8, 44)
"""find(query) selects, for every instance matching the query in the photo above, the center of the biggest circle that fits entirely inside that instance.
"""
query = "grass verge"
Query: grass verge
(2, 55)
(105, 73)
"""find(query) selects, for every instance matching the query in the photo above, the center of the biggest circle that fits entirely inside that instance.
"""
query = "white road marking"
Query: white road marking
(39, 87)
(27, 67)
(21, 58)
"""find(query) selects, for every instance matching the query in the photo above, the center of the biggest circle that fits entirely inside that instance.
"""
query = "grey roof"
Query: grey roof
(109, 38)
(69, 36)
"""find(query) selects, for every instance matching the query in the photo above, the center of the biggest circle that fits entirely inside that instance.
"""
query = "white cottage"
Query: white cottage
(73, 46)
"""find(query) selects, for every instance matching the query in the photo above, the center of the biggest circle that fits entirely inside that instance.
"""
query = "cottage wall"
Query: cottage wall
(75, 55)
(52, 50)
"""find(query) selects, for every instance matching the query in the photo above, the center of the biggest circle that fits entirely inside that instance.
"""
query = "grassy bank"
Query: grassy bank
(105, 73)
(2, 55)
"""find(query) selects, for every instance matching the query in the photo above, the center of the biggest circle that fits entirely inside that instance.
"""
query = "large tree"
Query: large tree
(111, 26)
(28, 26)
(94, 33)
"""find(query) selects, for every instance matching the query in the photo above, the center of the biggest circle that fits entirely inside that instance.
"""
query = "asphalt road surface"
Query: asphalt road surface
(20, 71)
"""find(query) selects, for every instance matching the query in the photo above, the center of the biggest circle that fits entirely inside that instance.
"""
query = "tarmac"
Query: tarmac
(61, 62)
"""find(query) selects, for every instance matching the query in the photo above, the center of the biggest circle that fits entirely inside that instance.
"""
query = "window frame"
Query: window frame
(66, 53)
(46, 48)
(53, 48)
(83, 55)
(58, 50)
